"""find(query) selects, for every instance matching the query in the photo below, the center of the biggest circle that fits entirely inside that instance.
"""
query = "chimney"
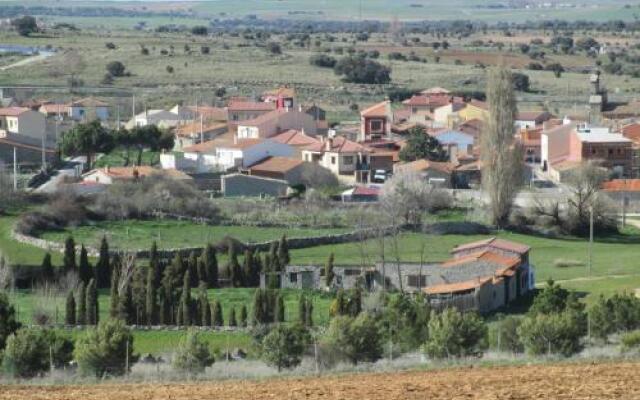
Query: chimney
(328, 144)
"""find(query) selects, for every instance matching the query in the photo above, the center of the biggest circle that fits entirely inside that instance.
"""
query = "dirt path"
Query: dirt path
(27, 61)
(559, 381)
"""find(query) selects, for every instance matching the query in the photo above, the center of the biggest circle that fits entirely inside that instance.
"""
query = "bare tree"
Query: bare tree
(127, 268)
(584, 185)
(501, 156)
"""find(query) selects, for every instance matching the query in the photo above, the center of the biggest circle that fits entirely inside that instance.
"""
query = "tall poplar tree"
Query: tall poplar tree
(81, 315)
(85, 271)
(69, 259)
(70, 310)
(103, 266)
(211, 265)
(151, 307)
(92, 303)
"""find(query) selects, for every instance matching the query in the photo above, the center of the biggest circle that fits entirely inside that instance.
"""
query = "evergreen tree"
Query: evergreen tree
(69, 260)
(216, 314)
(273, 257)
(113, 293)
(139, 294)
(164, 310)
(283, 252)
(172, 282)
(305, 311)
(202, 271)
(279, 315)
(258, 309)
(48, 274)
(234, 267)
(232, 317)
(309, 313)
(211, 265)
(204, 310)
(247, 269)
(85, 272)
(151, 307)
(92, 303)
(154, 264)
(81, 315)
(185, 300)
(103, 267)
(257, 269)
(328, 271)
(192, 266)
(70, 311)
(242, 322)
(126, 311)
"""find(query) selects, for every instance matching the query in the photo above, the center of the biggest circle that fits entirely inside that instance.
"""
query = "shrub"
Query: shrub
(283, 346)
(105, 350)
(110, 45)
(631, 340)
(505, 335)
(620, 313)
(551, 333)
(8, 322)
(362, 70)
(567, 263)
(453, 334)
(521, 82)
(322, 60)
(199, 30)
(192, 355)
(26, 354)
(274, 48)
(357, 339)
(116, 68)
(25, 25)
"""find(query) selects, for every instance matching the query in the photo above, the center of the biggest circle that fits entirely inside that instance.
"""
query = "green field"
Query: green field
(174, 234)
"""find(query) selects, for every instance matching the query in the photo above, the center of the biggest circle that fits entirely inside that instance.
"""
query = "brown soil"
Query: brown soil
(562, 381)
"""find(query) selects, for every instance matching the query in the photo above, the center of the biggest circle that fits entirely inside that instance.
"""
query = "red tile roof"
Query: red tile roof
(54, 108)
(631, 131)
(496, 243)
(485, 255)
(376, 110)
(423, 165)
(238, 105)
(88, 102)
(13, 111)
(366, 191)
(276, 164)
(456, 287)
(195, 128)
(339, 144)
(622, 185)
(284, 92)
(294, 137)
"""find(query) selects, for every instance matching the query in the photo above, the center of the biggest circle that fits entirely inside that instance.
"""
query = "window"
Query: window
(593, 151)
(351, 272)
(610, 151)
(417, 281)
(376, 125)
(333, 160)
(619, 151)
(348, 160)
(293, 277)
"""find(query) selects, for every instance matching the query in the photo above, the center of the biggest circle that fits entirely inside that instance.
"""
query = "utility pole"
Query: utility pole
(44, 154)
(590, 238)
(126, 358)
(15, 169)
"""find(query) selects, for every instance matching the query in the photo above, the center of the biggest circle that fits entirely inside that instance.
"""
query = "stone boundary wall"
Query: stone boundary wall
(440, 228)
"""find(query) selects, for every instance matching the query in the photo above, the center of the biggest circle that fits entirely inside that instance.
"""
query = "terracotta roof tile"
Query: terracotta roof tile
(276, 164)
(294, 137)
(376, 110)
(622, 185)
(423, 165)
(339, 144)
(141, 171)
(88, 102)
(13, 111)
(494, 242)
(456, 287)
(238, 105)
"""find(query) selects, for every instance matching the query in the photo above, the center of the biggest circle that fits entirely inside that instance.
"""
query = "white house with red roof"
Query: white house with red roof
(17, 122)
(275, 122)
(348, 160)
(242, 110)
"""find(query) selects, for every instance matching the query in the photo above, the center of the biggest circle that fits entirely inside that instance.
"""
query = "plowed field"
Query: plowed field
(560, 381)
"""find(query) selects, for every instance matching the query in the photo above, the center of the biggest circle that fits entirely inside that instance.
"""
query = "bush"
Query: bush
(356, 339)
(192, 355)
(620, 313)
(521, 82)
(25, 25)
(199, 30)
(26, 354)
(283, 346)
(116, 68)
(631, 340)
(104, 350)
(322, 60)
(362, 70)
(505, 335)
(8, 322)
(453, 334)
(551, 333)
(274, 48)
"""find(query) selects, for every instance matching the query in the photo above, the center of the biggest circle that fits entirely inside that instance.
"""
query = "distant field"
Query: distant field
(174, 234)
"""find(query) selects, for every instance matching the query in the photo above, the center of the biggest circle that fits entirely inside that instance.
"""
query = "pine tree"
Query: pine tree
(113, 293)
(103, 267)
(328, 271)
(192, 266)
(70, 311)
(279, 315)
(211, 265)
(48, 274)
(85, 272)
(232, 317)
(69, 260)
(216, 314)
(151, 307)
(185, 300)
(234, 267)
(243, 316)
(283, 252)
(81, 315)
(92, 303)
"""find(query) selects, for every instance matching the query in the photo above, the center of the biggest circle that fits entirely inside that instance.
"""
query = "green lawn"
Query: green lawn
(18, 253)
(174, 234)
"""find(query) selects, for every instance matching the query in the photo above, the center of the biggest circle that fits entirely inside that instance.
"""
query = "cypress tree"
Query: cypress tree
(70, 310)
(126, 310)
(151, 308)
(202, 271)
(211, 265)
(279, 315)
(164, 311)
(69, 260)
(234, 267)
(103, 267)
(81, 315)
(302, 309)
(192, 266)
(309, 313)
(232, 317)
(113, 293)
(48, 274)
(328, 271)
(257, 269)
(247, 268)
(216, 314)
(185, 300)
(139, 295)
(283, 252)
(258, 314)
(203, 316)
(85, 273)
(243, 316)
(92, 303)
(154, 264)
(273, 257)
(172, 281)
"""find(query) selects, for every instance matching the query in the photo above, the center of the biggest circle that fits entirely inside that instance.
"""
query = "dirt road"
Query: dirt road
(560, 381)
